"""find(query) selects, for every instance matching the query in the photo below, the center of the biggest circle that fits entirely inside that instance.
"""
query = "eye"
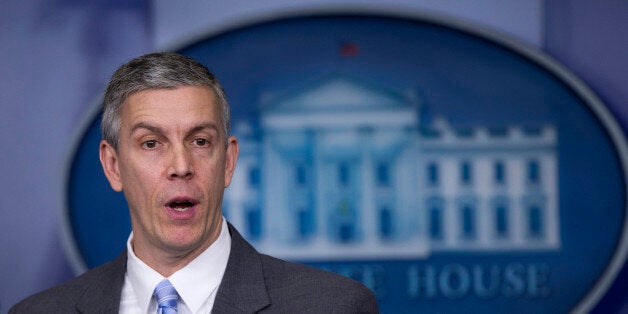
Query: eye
(201, 142)
(150, 144)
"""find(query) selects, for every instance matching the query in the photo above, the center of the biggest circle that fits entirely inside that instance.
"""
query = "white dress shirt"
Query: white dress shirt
(197, 283)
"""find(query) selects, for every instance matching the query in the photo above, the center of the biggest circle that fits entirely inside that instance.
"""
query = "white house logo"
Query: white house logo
(447, 170)
(354, 175)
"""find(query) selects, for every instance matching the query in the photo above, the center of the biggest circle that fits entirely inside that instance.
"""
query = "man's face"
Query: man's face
(173, 166)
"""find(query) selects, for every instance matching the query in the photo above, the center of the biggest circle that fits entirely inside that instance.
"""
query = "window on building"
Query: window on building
(382, 174)
(535, 221)
(534, 172)
(254, 176)
(343, 173)
(305, 222)
(432, 174)
(300, 177)
(501, 221)
(254, 222)
(468, 221)
(385, 222)
(436, 222)
(499, 172)
(466, 173)
(345, 217)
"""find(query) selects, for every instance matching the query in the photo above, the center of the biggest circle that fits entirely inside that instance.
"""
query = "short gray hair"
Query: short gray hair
(161, 70)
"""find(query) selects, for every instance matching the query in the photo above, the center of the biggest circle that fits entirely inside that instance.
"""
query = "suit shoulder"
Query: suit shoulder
(316, 288)
(64, 297)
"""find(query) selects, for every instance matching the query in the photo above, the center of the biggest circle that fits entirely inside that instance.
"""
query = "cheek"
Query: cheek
(138, 180)
(211, 175)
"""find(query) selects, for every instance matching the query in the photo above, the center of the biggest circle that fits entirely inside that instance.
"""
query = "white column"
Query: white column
(369, 223)
(322, 224)
(483, 186)
(517, 219)
(551, 207)
(451, 186)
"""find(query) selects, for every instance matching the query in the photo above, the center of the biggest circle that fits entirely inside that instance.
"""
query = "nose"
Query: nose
(180, 163)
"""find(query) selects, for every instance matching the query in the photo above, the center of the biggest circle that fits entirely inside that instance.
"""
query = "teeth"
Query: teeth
(181, 207)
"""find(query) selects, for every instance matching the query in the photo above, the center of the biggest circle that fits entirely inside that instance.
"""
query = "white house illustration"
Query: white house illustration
(343, 169)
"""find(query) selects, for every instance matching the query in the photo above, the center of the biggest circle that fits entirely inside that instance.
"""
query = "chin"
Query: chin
(182, 241)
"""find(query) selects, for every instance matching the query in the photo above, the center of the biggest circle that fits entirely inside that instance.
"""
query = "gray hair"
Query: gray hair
(162, 70)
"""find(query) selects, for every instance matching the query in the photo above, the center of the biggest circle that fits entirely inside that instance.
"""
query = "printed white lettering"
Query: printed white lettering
(455, 281)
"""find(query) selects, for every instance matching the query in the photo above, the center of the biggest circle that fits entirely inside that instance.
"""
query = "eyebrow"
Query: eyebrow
(142, 125)
(159, 130)
(204, 126)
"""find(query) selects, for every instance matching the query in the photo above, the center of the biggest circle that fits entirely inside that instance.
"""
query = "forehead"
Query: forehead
(175, 106)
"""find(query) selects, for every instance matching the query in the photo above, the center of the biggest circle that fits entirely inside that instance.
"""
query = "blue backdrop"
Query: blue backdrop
(471, 81)
(56, 57)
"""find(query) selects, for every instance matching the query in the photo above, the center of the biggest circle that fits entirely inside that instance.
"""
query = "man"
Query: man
(166, 145)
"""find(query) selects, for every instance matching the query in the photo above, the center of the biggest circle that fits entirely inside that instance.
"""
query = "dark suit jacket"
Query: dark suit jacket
(252, 283)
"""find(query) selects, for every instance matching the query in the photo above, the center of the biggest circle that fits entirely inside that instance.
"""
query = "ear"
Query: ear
(231, 159)
(109, 162)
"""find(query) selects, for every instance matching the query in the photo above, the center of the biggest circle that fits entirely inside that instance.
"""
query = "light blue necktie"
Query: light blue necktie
(166, 297)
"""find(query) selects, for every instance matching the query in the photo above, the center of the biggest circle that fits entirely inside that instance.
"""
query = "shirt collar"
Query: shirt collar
(195, 282)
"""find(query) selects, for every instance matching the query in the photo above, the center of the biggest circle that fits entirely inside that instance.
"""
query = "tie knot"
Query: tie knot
(166, 297)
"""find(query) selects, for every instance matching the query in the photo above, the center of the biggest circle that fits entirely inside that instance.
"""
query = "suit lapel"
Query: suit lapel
(243, 288)
(104, 292)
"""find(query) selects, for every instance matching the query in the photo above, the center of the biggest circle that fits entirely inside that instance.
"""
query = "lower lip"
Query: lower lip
(181, 215)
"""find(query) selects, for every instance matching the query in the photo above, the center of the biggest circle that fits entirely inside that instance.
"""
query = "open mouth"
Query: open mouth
(181, 205)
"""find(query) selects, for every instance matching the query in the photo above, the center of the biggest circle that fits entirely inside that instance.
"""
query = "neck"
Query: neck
(167, 261)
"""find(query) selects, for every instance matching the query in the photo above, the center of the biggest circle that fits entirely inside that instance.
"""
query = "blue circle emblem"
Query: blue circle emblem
(446, 168)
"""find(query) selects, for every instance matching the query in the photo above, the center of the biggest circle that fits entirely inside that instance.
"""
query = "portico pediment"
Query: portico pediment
(338, 101)
(335, 93)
